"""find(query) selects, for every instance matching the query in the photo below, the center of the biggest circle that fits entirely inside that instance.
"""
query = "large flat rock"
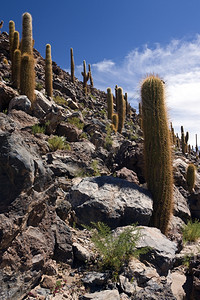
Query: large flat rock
(111, 200)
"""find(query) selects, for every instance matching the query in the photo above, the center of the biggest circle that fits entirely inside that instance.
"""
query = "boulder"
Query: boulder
(20, 103)
(127, 174)
(42, 105)
(111, 200)
(181, 207)
(6, 94)
(70, 131)
(106, 294)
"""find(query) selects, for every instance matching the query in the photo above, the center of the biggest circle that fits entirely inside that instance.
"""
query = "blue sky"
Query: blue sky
(123, 41)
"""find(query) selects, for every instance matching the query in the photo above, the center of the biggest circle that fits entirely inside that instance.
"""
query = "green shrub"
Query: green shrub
(191, 231)
(38, 129)
(60, 100)
(95, 168)
(77, 122)
(58, 142)
(115, 250)
(39, 86)
(108, 139)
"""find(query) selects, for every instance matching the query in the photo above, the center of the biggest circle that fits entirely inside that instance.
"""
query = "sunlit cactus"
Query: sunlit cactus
(109, 103)
(190, 177)
(121, 109)
(16, 64)
(27, 76)
(115, 121)
(27, 37)
(48, 72)
(157, 151)
(11, 36)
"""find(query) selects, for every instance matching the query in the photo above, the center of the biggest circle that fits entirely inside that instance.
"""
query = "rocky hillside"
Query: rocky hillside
(47, 194)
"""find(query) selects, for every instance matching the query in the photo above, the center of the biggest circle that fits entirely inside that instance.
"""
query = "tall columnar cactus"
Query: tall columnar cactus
(196, 147)
(15, 41)
(140, 114)
(115, 121)
(86, 77)
(121, 109)
(11, 36)
(27, 37)
(183, 143)
(72, 64)
(116, 98)
(109, 103)
(127, 104)
(48, 72)
(157, 151)
(91, 79)
(27, 76)
(15, 46)
(16, 65)
(190, 177)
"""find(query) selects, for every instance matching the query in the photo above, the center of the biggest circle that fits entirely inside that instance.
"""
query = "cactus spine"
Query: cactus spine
(72, 64)
(121, 109)
(86, 77)
(48, 72)
(16, 65)
(157, 151)
(110, 103)
(190, 177)
(11, 36)
(91, 79)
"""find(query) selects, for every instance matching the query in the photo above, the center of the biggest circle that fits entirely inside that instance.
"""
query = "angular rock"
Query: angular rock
(95, 278)
(42, 105)
(70, 131)
(111, 200)
(127, 174)
(81, 253)
(6, 94)
(162, 251)
(107, 294)
(20, 103)
(181, 207)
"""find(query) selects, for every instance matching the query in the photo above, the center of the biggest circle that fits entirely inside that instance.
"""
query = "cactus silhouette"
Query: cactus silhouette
(157, 151)
(72, 64)
(11, 36)
(91, 79)
(110, 103)
(86, 77)
(121, 109)
(190, 177)
(48, 72)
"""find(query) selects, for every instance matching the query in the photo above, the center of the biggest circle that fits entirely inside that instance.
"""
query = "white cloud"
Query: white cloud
(177, 63)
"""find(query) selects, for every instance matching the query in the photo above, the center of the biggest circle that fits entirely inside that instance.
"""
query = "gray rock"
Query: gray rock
(113, 201)
(162, 251)
(107, 294)
(126, 286)
(41, 105)
(81, 253)
(95, 278)
(181, 207)
(20, 103)
(70, 131)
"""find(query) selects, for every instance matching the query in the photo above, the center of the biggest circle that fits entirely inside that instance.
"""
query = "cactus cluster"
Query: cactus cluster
(157, 151)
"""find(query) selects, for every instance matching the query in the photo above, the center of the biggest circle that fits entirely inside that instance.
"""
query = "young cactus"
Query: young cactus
(110, 103)
(27, 38)
(27, 76)
(190, 177)
(157, 151)
(48, 72)
(115, 121)
(86, 77)
(72, 64)
(121, 109)
(16, 65)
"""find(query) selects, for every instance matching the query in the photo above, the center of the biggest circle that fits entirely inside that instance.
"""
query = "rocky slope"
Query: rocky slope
(46, 196)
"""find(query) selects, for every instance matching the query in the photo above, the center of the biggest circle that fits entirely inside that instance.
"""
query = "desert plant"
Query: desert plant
(27, 76)
(115, 121)
(108, 139)
(116, 98)
(157, 151)
(38, 86)
(191, 231)
(76, 121)
(115, 249)
(16, 66)
(60, 100)
(86, 77)
(11, 36)
(190, 177)
(37, 128)
(91, 79)
(109, 103)
(58, 142)
(121, 109)
(94, 166)
(72, 64)
(27, 38)
(48, 72)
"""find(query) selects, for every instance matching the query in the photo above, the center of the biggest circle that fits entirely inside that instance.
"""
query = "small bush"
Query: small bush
(38, 86)
(191, 231)
(58, 142)
(60, 100)
(95, 168)
(77, 122)
(38, 129)
(108, 139)
(115, 250)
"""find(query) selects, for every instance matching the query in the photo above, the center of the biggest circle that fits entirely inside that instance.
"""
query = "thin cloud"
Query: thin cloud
(177, 63)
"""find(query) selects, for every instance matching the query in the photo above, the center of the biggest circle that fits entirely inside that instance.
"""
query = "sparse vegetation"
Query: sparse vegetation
(108, 139)
(58, 142)
(191, 231)
(39, 86)
(95, 168)
(37, 128)
(77, 122)
(60, 100)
